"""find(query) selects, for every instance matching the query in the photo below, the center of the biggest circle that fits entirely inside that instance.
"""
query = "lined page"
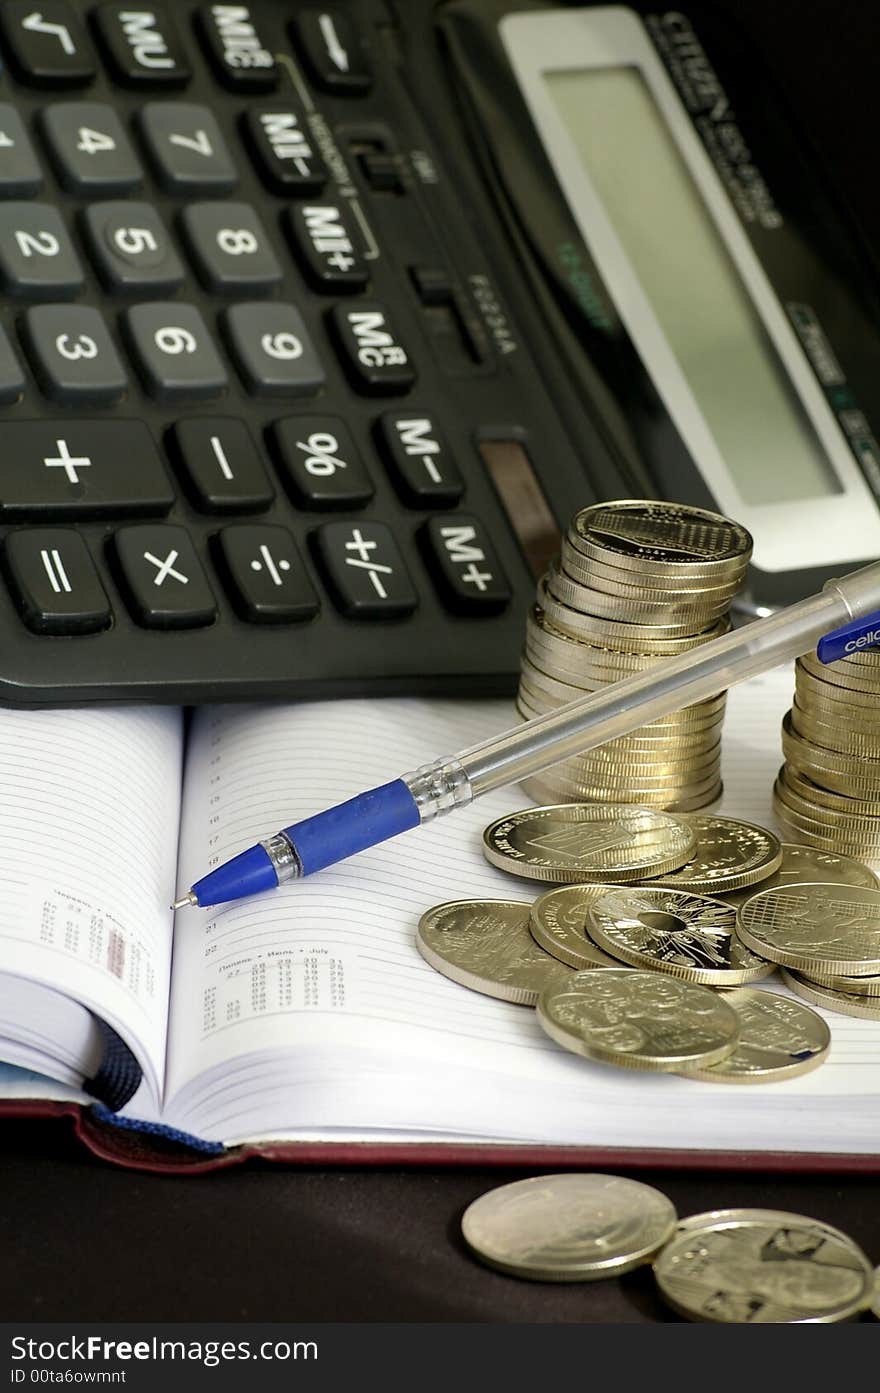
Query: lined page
(89, 811)
(327, 968)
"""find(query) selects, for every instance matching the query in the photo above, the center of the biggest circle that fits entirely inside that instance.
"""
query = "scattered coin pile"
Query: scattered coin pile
(636, 582)
(634, 903)
(728, 1266)
(828, 789)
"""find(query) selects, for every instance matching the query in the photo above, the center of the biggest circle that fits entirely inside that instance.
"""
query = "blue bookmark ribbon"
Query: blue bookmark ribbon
(852, 638)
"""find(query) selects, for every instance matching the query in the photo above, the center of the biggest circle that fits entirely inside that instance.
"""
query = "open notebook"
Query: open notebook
(307, 1016)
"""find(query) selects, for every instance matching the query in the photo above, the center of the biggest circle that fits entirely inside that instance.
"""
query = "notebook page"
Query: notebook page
(330, 962)
(89, 812)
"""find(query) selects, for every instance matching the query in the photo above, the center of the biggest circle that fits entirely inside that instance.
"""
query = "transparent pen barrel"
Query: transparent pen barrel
(680, 681)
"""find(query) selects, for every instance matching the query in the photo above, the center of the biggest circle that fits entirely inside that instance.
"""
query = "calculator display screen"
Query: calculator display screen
(692, 285)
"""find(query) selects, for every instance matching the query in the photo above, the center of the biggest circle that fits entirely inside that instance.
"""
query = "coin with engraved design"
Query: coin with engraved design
(689, 936)
(815, 926)
(486, 945)
(807, 863)
(778, 1038)
(729, 854)
(572, 842)
(558, 922)
(639, 1020)
(568, 1228)
(758, 1267)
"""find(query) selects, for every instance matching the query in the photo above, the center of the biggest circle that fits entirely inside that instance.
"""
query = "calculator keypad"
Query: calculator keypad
(210, 344)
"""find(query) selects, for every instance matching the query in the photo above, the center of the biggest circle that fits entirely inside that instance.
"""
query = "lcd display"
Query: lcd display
(695, 290)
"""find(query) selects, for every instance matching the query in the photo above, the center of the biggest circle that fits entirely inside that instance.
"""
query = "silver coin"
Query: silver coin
(486, 945)
(689, 936)
(801, 863)
(729, 853)
(756, 1267)
(639, 1020)
(568, 1228)
(843, 1003)
(572, 842)
(778, 1039)
(832, 928)
(558, 922)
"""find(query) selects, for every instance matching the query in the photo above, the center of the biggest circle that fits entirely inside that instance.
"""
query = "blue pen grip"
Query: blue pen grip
(350, 827)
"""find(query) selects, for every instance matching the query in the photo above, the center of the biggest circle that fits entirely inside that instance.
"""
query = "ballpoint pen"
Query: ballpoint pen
(445, 784)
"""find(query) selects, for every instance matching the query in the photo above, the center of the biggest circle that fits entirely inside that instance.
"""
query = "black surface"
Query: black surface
(84, 1241)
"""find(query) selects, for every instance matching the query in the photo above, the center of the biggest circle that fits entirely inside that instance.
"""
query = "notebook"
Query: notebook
(304, 1023)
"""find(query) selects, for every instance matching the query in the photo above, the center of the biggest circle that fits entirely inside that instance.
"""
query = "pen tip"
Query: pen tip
(188, 898)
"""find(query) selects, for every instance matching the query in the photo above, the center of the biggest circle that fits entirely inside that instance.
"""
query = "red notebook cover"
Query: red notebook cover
(147, 1151)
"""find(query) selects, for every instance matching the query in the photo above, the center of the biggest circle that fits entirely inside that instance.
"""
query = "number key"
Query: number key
(130, 247)
(229, 247)
(272, 350)
(73, 354)
(187, 148)
(37, 259)
(90, 148)
(174, 351)
(20, 174)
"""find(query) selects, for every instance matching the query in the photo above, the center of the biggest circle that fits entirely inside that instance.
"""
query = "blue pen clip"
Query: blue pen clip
(852, 638)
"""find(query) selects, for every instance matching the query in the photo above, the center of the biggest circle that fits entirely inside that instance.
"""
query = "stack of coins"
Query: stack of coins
(636, 582)
(828, 790)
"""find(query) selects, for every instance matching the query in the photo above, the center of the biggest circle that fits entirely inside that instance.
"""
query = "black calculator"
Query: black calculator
(318, 323)
(261, 400)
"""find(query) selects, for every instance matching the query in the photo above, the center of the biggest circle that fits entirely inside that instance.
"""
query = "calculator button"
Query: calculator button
(419, 460)
(272, 350)
(164, 583)
(283, 150)
(37, 259)
(373, 355)
(54, 581)
(131, 249)
(174, 351)
(90, 148)
(12, 382)
(229, 247)
(64, 468)
(141, 45)
(47, 44)
(326, 246)
(464, 565)
(266, 575)
(237, 53)
(364, 570)
(332, 51)
(20, 173)
(73, 355)
(220, 465)
(187, 148)
(320, 463)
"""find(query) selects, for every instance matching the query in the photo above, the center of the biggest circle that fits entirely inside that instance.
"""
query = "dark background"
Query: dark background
(81, 1240)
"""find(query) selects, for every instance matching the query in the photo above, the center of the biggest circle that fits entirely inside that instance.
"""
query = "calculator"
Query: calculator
(309, 346)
